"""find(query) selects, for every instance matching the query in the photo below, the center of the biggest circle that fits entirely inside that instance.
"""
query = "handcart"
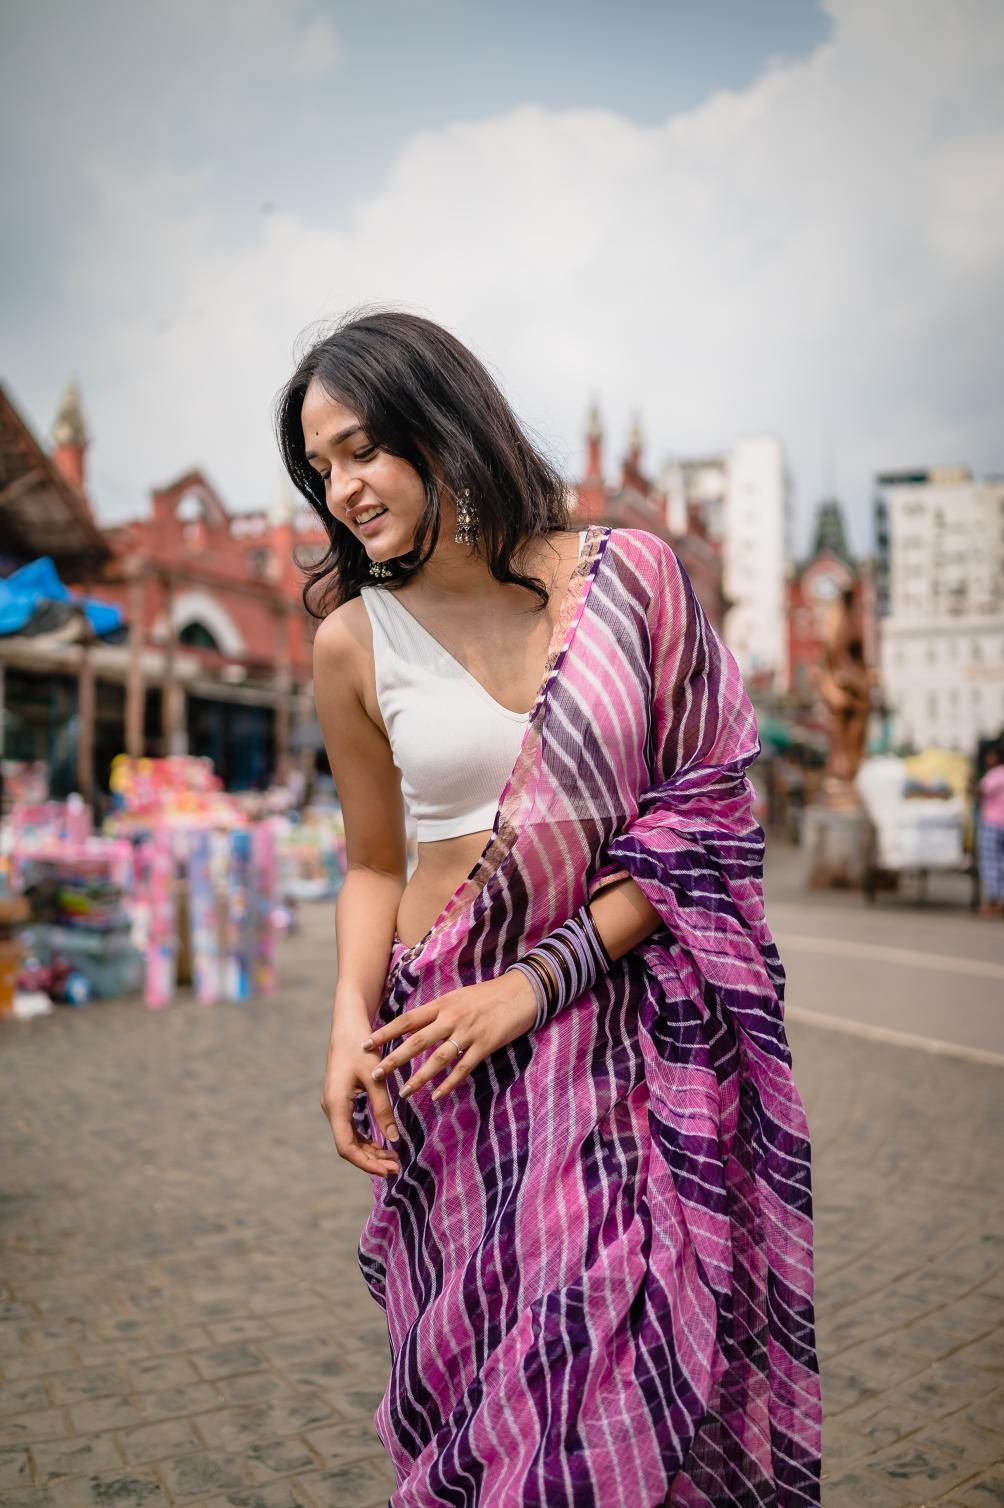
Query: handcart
(910, 833)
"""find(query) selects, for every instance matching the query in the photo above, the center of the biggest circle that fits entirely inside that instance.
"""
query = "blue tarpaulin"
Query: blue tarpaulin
(23, 593)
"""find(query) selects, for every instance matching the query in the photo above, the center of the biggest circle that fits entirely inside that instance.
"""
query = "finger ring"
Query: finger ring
(460, 1050)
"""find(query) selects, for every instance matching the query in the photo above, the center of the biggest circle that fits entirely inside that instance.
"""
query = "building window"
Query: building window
(197, 636)
(191, 509)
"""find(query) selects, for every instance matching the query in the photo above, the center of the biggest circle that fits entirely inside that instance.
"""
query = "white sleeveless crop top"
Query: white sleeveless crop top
(454, 744)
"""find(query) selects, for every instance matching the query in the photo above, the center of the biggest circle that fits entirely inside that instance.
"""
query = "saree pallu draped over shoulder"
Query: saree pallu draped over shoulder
(596, 1259)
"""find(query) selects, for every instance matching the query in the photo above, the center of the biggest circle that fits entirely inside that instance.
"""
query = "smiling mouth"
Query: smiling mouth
(365, 523)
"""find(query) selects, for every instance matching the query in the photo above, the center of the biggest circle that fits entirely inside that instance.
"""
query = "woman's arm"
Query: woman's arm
(369, 788)
(623, 917)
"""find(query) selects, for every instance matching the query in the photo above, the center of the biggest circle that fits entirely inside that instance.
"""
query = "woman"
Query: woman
(558, 1047)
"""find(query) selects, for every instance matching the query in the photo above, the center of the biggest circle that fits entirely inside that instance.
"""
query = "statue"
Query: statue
(845, 686)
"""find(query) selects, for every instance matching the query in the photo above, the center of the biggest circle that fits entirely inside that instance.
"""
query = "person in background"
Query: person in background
(990, 838)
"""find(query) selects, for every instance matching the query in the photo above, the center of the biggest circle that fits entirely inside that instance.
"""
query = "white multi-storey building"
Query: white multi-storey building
(755, 554)
(742, 497)
(941, 553)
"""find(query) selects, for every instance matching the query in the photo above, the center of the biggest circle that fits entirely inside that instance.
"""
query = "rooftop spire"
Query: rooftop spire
(69, 427)
(283, 504)
(594, 443)
(830, 531)
(71, 437)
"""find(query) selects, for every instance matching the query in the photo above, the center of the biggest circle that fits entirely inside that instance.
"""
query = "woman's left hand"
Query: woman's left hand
(481, 1017)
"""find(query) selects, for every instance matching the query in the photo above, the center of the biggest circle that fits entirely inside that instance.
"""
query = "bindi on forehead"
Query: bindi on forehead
(343, 434)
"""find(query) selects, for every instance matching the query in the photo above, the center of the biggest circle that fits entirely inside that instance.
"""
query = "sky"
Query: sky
(731, 216)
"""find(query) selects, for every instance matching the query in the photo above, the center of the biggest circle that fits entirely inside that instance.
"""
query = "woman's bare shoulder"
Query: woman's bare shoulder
(344, 634)
(343, 654)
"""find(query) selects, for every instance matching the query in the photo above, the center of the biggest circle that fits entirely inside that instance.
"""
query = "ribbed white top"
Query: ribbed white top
(454, 744)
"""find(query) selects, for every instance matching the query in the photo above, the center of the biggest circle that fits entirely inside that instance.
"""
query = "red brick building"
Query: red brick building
(218, 655)
(634, 501)
(218, 595)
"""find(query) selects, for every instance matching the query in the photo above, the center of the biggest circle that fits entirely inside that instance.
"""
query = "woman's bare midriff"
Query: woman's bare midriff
(441, 868)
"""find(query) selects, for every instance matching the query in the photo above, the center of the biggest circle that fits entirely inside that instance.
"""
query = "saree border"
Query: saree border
(504, 830)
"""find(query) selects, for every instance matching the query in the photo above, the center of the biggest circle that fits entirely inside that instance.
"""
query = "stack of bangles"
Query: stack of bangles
(565, 964)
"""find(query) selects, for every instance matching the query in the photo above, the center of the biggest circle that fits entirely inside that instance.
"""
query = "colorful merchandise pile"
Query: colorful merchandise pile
(204, 901)
(181, 886)
(205, 910)
(180, 791)
(79, 943)
(24, 783)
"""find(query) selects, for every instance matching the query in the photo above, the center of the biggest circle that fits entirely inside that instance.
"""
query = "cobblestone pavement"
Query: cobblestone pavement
(184, 1322)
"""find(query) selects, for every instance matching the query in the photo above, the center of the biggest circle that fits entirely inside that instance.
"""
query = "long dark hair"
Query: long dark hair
(420, 394)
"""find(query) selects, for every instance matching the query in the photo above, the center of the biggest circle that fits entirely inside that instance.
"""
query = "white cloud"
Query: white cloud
(819, 253)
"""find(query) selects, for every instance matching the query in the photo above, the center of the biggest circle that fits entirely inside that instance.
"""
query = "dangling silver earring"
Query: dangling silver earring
(380, 568)
(467, 519)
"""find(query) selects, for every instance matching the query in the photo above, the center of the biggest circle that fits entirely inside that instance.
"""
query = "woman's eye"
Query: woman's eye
(364, 455)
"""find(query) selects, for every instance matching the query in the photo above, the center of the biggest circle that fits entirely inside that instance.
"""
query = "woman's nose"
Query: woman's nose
(344, 491)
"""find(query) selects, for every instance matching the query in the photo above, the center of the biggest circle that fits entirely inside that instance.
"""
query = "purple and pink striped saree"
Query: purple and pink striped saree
(596, 1260)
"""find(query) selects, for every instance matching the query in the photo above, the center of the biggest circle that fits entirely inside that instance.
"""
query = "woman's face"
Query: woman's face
(358, 477)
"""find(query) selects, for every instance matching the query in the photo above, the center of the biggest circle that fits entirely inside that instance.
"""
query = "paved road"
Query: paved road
(932, 972)
(184, 1323)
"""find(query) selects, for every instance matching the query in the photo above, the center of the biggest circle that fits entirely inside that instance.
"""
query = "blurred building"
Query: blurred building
(61, 680)
(755, 551)
(814, 587)
(940, 576)
(742, 499)
(214, 596)
(215, 658)
(727, 517)
(634, 501)
(45, 508)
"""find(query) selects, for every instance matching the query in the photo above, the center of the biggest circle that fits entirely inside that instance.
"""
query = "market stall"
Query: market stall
(205, 895)
(180, 887)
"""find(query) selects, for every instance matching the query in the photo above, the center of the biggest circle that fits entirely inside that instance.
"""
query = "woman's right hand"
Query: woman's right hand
(346, 1076)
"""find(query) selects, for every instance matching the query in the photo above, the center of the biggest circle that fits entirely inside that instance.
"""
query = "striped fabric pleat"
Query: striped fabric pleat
(596, 1261)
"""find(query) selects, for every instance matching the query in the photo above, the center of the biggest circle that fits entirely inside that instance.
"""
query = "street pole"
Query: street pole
(135, 686)
(86, 724)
